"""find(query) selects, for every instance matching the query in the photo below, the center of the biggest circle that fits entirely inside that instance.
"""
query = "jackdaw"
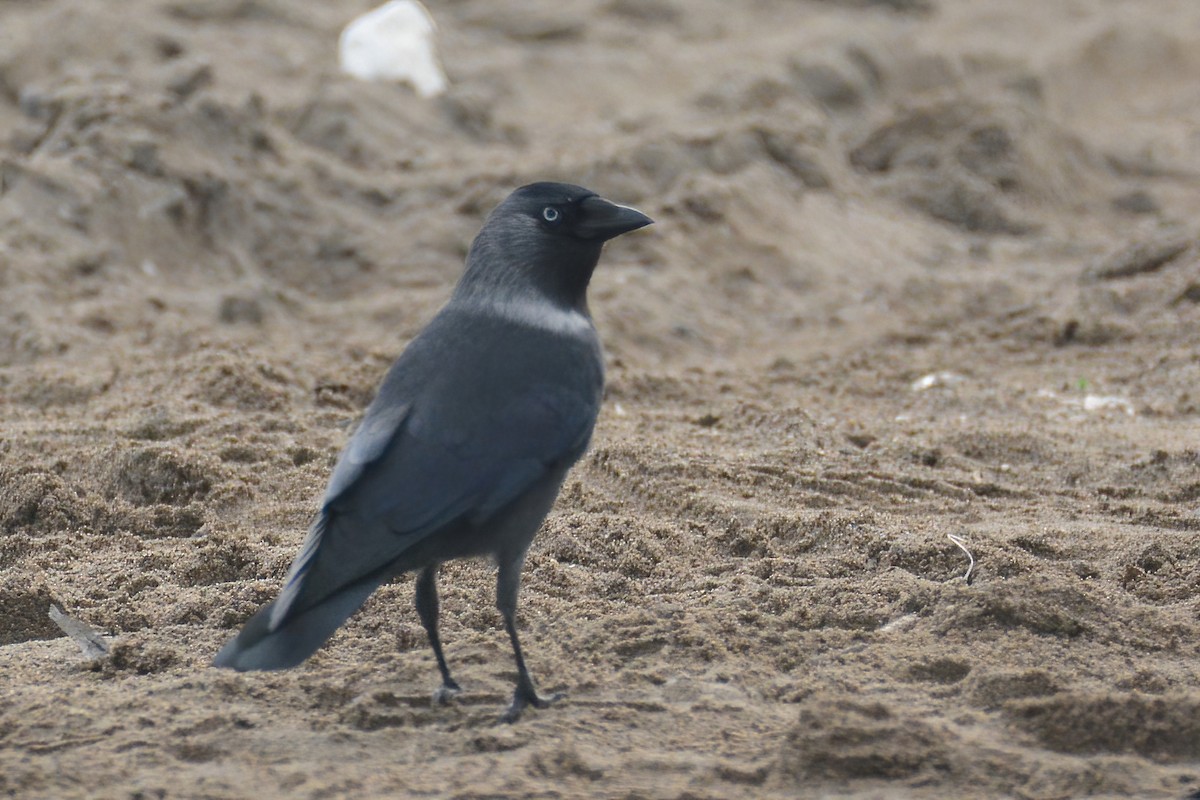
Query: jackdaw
(464, 448)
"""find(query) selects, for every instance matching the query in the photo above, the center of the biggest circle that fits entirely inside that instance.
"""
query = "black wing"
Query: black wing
(445, 441)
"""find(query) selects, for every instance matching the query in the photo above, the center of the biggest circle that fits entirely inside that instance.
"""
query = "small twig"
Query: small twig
(962, 545)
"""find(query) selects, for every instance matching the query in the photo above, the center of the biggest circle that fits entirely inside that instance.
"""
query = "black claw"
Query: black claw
(446, 692)
(524, 697)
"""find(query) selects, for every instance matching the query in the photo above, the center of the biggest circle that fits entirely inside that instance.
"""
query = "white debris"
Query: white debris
(901, 623)
(1095, 402)
(89, 641)
(936, 379)
(394, 42)
(1091, 402)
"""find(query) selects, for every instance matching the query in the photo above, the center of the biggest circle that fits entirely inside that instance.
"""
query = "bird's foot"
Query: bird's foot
(446, 692)
(524, 697)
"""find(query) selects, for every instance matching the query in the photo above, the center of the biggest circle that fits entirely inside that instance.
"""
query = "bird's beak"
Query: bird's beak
(600, 219)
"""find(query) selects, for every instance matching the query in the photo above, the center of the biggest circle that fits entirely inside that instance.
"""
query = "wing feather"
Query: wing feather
(412, 472)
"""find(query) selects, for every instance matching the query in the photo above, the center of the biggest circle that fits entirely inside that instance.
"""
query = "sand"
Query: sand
(921, 269)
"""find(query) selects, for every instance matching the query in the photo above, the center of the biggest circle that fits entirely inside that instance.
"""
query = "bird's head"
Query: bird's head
(546, 237)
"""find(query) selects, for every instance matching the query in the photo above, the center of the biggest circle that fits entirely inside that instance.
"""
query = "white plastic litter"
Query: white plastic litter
(394, 42)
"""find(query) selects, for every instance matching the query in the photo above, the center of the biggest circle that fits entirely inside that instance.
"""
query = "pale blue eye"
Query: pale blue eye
(550, 214)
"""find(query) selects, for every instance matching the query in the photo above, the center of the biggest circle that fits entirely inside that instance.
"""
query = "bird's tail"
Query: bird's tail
(258, 647)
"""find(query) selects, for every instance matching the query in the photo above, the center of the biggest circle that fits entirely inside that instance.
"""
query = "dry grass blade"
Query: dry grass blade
(962, 545)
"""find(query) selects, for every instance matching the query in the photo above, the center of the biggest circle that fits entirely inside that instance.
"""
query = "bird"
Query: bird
(468, 440)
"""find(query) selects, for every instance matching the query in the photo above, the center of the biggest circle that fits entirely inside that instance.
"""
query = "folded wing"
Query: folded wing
(411, 472)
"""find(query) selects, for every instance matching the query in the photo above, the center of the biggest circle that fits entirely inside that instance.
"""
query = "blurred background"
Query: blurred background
(921, 267)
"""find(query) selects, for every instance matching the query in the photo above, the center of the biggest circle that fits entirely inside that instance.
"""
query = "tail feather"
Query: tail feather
(259, 647)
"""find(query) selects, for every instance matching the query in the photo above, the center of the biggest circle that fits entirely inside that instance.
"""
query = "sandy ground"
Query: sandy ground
(921, 269)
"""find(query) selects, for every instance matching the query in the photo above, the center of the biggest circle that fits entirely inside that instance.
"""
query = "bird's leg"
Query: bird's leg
(508, 581)
(427, 610)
